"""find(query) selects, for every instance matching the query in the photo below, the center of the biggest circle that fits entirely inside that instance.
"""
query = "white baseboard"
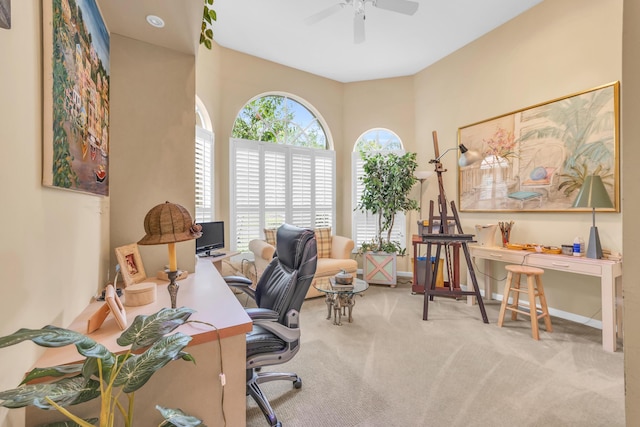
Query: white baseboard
(554, 312)
(406, 274)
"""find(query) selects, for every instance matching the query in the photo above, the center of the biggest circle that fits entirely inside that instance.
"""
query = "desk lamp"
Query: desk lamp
(593, 195)
(169, 223)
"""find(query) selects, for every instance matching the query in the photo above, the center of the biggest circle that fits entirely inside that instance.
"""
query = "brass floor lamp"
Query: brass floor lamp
(446, 237)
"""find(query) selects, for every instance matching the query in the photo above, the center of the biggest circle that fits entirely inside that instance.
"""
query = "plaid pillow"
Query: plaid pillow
(323, 241)
(270, 235)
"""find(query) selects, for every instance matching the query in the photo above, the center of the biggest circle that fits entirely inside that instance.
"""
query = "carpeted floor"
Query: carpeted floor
(391, 368)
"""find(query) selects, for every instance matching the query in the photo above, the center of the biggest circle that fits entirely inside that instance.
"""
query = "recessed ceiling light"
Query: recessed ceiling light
(155, 21)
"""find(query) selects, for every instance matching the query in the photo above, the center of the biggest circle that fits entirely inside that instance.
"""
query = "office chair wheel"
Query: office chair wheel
(297, 383)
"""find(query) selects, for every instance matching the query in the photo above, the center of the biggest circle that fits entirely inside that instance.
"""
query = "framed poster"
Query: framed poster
(76, 97)
(537, 158)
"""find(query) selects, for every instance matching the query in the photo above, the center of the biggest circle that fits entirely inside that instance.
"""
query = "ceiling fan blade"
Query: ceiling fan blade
(358, 28)
(401, 6)
(317, 17)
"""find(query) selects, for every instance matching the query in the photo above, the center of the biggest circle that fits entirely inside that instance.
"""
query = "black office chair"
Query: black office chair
(275, 337)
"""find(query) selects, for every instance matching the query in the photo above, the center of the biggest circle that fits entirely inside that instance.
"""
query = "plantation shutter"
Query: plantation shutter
(274, 195)
(204, 175)
(287, 184)
(245, 194)
(301, 187)
(325, 183)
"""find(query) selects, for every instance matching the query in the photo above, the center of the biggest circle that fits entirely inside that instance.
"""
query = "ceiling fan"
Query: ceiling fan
(405, 7)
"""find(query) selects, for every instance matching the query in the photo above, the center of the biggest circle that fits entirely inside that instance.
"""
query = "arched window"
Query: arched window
(204, 165)
(282, 169)
(364, 226)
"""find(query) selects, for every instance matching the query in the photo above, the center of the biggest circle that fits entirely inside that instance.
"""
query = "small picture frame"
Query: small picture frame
(116, 307)
(130, 263)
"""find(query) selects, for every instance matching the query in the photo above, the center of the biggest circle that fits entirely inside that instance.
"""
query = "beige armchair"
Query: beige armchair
(334, 258)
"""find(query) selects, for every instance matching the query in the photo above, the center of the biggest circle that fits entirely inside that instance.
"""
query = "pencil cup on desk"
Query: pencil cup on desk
(505, 229)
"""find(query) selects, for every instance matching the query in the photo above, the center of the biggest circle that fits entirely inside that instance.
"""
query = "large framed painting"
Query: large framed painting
(537, 158)
(76, 97)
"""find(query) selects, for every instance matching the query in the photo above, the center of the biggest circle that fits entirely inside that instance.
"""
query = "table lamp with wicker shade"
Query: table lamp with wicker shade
(169, 223)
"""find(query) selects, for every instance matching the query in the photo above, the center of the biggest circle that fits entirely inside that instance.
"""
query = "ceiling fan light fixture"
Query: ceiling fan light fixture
(406, 7)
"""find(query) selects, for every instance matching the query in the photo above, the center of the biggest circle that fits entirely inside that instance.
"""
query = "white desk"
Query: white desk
(195, 388)
(217, 260)
(608, 271)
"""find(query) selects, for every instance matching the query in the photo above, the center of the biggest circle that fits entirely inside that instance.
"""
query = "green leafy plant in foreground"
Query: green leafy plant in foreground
(103, 374)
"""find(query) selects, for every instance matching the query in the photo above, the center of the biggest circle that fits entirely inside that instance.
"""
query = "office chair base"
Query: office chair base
(253, 390)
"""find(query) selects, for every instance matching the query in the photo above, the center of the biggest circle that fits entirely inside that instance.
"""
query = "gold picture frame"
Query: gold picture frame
(535, 159)
(130, 262)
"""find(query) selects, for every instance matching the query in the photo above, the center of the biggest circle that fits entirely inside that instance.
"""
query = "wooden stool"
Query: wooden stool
(534, 289)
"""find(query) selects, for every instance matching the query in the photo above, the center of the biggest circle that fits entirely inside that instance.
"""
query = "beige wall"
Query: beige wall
(55, 249)
(548, 52)
(631, 205)
(555, 49)
(54, 244)
(152, 150)
(236, 78)
(390, 104)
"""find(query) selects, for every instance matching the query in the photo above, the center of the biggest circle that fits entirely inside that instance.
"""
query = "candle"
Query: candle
(173, 263)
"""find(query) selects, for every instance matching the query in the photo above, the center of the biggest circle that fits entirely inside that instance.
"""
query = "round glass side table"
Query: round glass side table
(340, 300)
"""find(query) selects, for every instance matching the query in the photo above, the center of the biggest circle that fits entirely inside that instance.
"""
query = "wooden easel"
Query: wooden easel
(443, 239)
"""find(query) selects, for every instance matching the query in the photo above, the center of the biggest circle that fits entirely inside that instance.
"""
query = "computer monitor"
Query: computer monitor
(212, 237)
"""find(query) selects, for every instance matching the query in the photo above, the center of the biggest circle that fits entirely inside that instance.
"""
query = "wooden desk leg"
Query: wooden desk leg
(608, 295)
(483, 275)
(618, 302)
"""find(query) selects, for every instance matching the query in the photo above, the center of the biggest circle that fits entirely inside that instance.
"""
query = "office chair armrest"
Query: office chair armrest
(237, 281)
(262, 314)
(284, 333)
(242, 283)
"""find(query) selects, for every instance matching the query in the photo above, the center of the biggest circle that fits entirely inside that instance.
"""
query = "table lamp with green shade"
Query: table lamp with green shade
(593, 195)
(169, 223)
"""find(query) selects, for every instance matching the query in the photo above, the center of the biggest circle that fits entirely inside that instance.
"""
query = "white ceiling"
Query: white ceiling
(182, 19)
(395, 45)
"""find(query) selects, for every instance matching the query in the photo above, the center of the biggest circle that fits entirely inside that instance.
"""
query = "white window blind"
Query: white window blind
(325, 198)
(204, 175)
(364, 225)
(272, 184)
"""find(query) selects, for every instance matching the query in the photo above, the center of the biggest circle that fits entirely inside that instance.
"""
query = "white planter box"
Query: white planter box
(380, 268)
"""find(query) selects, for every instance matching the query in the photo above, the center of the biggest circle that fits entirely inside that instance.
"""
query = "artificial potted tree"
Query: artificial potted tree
(387, 180)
